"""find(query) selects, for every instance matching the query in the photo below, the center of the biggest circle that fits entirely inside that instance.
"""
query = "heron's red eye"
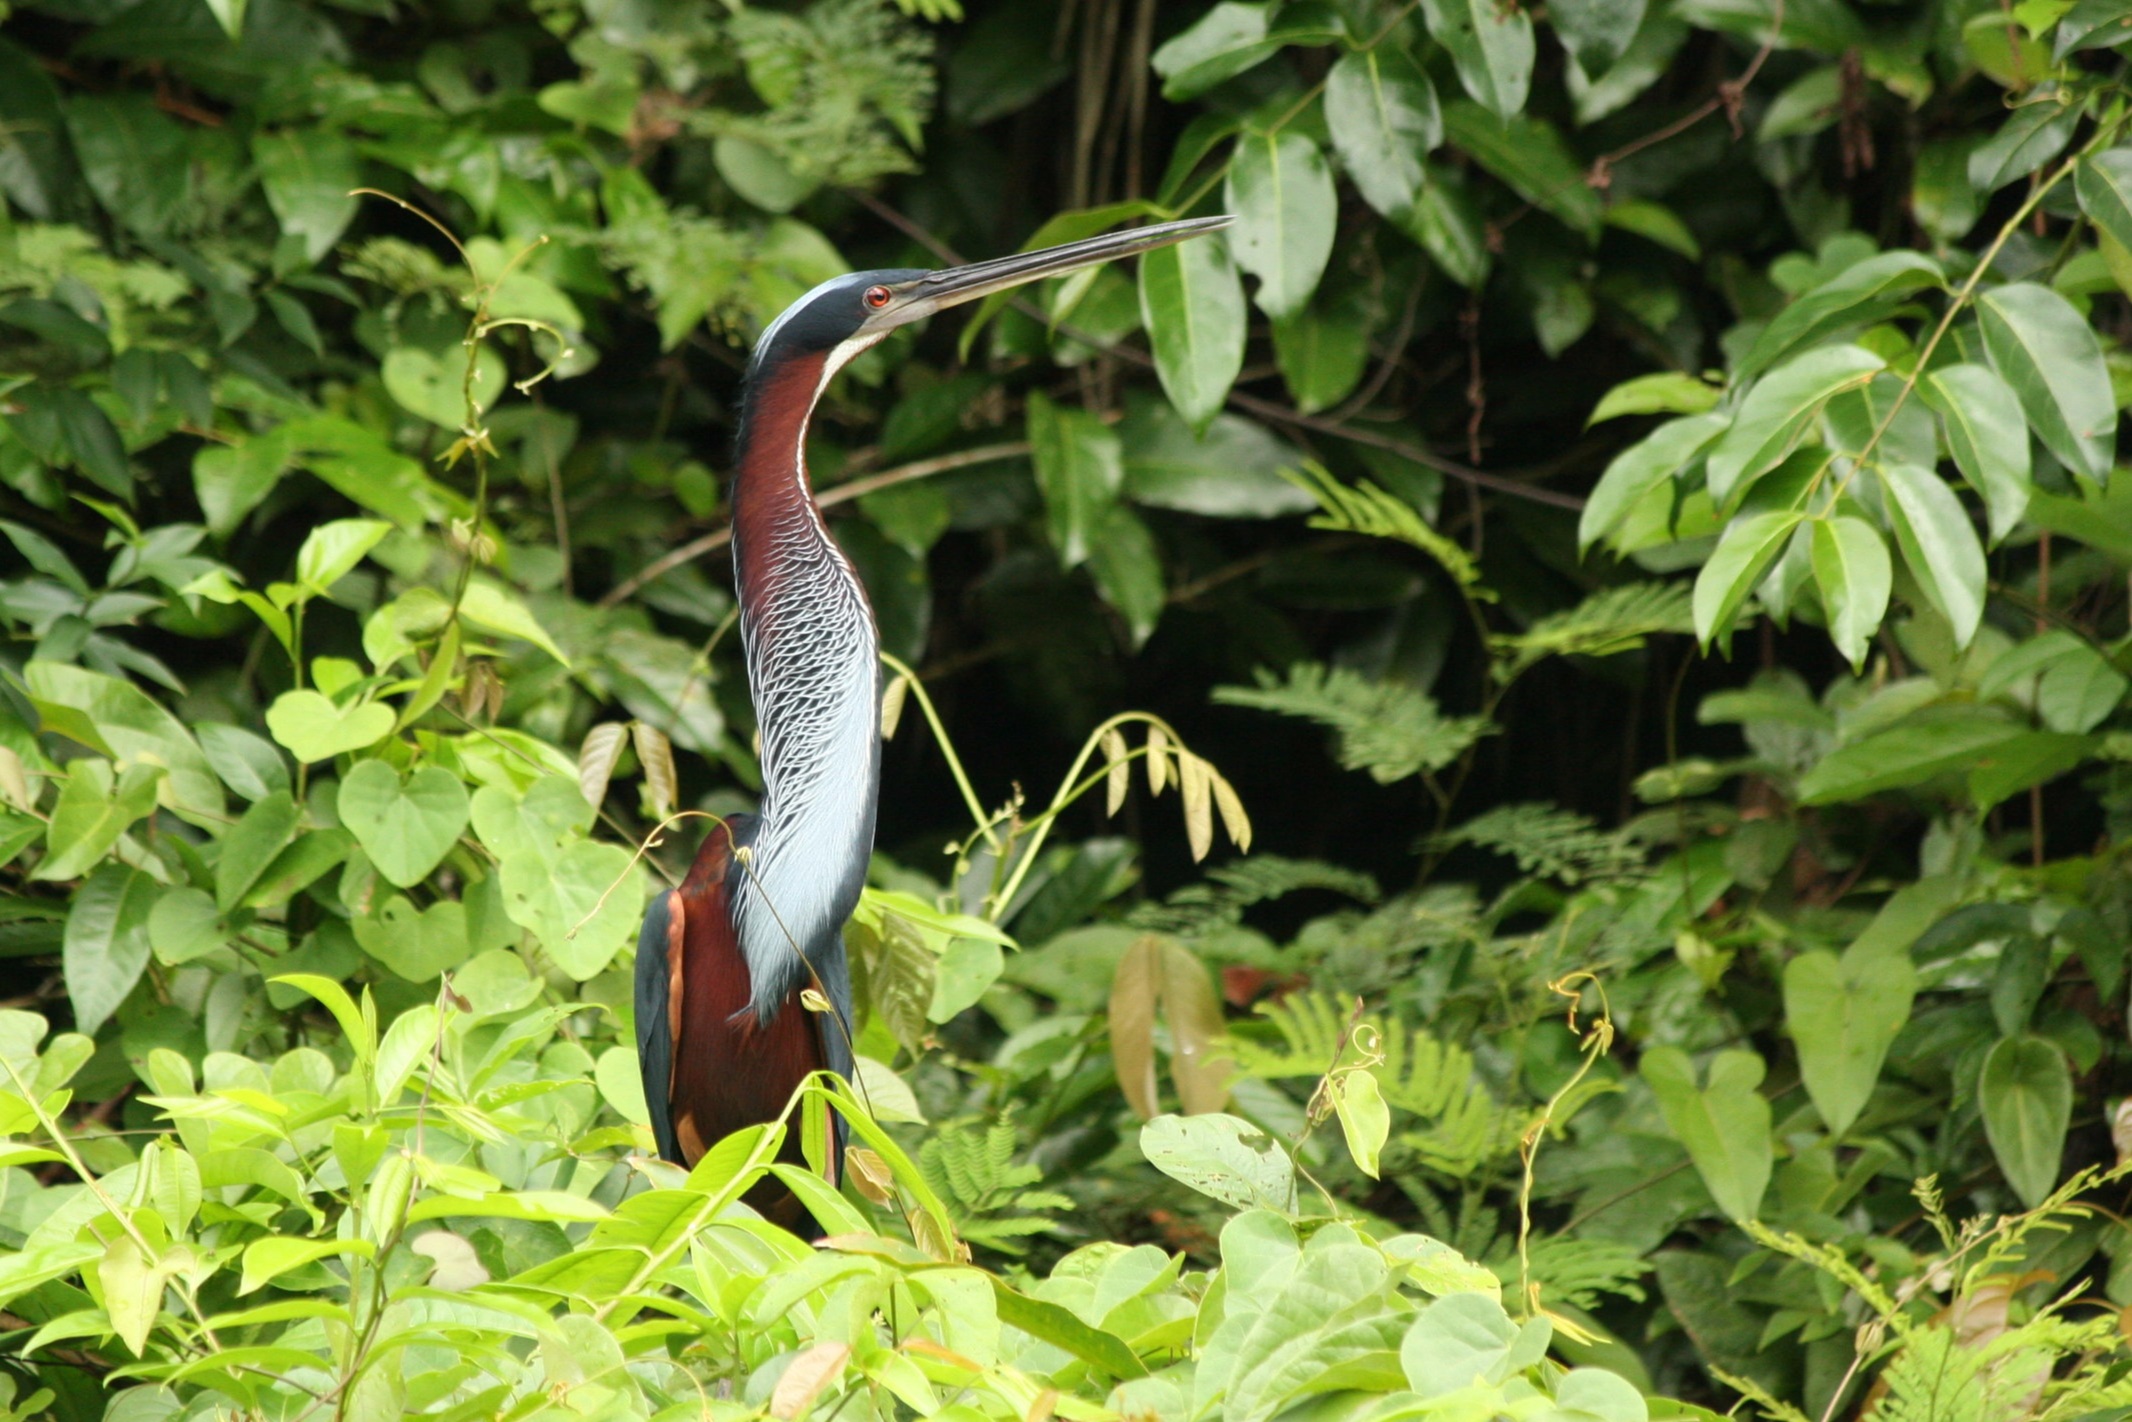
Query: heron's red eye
(877, 297)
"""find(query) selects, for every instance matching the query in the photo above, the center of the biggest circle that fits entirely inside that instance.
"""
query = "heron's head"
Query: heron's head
(846, 314)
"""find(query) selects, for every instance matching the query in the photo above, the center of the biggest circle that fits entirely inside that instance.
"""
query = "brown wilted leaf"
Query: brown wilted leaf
(809, 1374)
(596, 759)
(1158, 759)
(870, 1174)
(1121, 769)
(657, 754)
(892, 698)
(1195, 780)
(1193, 1011)
(1132, 1023)
(1233, 818)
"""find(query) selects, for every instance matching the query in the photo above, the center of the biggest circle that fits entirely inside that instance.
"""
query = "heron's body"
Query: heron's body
(722, 1033)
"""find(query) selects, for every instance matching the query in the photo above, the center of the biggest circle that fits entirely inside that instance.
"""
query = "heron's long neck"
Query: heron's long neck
(813, 669)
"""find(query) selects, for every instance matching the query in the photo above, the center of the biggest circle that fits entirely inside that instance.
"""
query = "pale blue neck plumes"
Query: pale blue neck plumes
(814, 672)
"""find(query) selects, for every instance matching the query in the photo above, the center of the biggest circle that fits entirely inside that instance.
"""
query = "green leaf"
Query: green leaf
(331, 550)
(94, 441)
(1860, 295)
(308, 175)
(1365, 1121)
(1080, 468)
(1655, 223)
(1447, 223)
(1226, 41)
(1743, 554)
(1529, 156)
(1939, 543)
(1192, 302)
(1465, 1339)
(1322, 351)
(184, 925)
(1854, 574)
(1779, 410)
(1232, 470)
(270, 1258)
(127, 724)
(967, 971)
(2025, 1093)
(1597, 32)
(434, 385)
(2051, 358)
(489, 606)
(1382, 113)
(2104, 183)
(134, 157)
(315, 729)
(405, 824)
(1282, 194)
(1491, 45)
(2035, 133)
(107, 941)
(1126, 564)
(1922, 745)
(253, 843)
(1058, 1326)
(583, 907)
(1663, 392)
(92, 812)
(1724, 1125)
(1986, 434)
(2032, 758)
(1642, 467)
(1224, 1157)
(416, 944)
(1844, 1014)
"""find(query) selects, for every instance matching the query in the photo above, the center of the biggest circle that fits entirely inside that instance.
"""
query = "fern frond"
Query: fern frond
(1367, 509)
(1548, 842)
(1609, 621)
(1311, 1026)
(1231, 888)
(1576, 1270)
(1386, 728)
(973, 1166)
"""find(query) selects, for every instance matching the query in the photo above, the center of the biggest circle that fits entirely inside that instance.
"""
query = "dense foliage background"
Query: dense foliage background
(1619, 543)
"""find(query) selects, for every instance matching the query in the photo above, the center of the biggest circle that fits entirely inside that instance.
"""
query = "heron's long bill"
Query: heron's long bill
(959, 284)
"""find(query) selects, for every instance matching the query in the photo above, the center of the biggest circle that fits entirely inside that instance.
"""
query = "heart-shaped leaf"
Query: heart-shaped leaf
(541, 823)
(405, 825)
(434, 386)
(313, 728)
(1844, 1014)
(416, 944)
(583, 904)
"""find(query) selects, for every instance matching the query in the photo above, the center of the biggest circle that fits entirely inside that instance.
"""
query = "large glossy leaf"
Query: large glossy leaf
(1282, 195)
(1854, 574)
(1232, 470)
(1126, 564)
(2104, 183)
(1749, 545)
(1922, 745)
(1724, 1124)
(1640, 468)
(1491, 45)
(1778, 412)
(1192, 302)
(2034, 134)
(119, 718)
(1322, 351)
(2053, 362)
(1531, 158)
(1231, 38)
(1986, 434)
(107, 941)
(1939, 543)
(1859, 295)
(308, 174)
(1080, 468)
(2025, 1093)
(1382, 112)
(1597, 32)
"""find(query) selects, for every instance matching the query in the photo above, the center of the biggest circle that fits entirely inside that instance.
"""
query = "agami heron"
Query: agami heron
(722, 962)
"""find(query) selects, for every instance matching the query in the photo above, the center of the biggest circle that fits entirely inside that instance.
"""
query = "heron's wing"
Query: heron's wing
(659, 996)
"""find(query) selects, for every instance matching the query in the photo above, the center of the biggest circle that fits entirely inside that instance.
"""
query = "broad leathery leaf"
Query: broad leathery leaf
(106, 944)
(1939, 543)
(1383, 115)
(1843, 1014)
(1528, 154)
(1466, 1339)
(1859, 295)
(1778, 411)
(1322, 351)
(1491, 45)
(1640, 468)
(266, 829)
(597, 757)
(1226, 41)
(132, 1286)
(2104, 183)
(1855, 575)
(1224, 1157)
(2072, 687)
(1743, 554)
(2034, 134)
(308, 174)
(416, 944)
(1192, 302)
(1924, 744)
(1724, 1125)
(2032, 758)
(1981, 418)
(1282, 194)
(1126, 565)
(1365, 1121)
(2025, 1093)
(1665, 392)
(2051, 358)
(1447, 222)
(1134, 994)
(1080, 468)
(405, 824)
(1597, 32)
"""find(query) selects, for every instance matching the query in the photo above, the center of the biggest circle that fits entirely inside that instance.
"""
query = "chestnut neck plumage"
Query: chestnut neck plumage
(814, 672)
